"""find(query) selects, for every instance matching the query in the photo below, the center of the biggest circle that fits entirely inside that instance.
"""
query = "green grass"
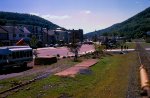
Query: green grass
(7, 83)
(131, 45)
(144, 44)
(109, 79)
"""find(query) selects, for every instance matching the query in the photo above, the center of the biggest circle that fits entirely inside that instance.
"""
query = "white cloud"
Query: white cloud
(87, 12)
(37, 14)
(49, 17)
(52, 17)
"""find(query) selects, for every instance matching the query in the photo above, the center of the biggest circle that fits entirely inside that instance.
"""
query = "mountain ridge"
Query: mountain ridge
(14, 18)
(134, 27)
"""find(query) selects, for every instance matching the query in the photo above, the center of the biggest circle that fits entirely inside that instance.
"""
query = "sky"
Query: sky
(89, 15)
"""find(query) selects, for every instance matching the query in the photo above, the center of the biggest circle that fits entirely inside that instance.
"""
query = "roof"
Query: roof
(8, 50)
(17, 29)
(26, 30)
(50, 32)
(10, 29)
(20, 49)
(4, 51)
(2, 30)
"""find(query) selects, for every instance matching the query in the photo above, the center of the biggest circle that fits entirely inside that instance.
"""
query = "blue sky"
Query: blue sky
(89, 15)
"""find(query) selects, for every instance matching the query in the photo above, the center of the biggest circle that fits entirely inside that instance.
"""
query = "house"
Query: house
(36, 31)
(15, 33)
(58, 36)
(4, 36)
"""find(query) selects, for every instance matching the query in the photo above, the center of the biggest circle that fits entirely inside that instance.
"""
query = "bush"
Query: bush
(45, 60)
(148, 40)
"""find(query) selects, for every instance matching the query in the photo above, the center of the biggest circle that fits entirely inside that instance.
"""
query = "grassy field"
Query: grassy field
(7, 83)
(146, 45)
(109, 79)
(131, 45)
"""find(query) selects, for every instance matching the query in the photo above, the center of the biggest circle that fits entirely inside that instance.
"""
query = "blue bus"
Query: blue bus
(15, 56)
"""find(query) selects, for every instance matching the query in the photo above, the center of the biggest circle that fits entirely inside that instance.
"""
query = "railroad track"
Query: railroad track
(39, 77)
(10, 90)
(144, 61)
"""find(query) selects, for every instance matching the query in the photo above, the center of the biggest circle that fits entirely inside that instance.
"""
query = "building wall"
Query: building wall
(77, 34)
(4, 37)
(62, 36)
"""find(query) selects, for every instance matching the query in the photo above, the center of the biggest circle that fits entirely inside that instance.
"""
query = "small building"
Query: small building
(77, 34)
(61, 35)
(49, 36)
(16, 33)
(36, 31)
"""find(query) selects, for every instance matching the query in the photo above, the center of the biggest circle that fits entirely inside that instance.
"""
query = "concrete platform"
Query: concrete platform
(119, 50)
(71, 72)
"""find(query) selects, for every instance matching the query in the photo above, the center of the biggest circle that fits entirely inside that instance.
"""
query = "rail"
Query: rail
(144, 79)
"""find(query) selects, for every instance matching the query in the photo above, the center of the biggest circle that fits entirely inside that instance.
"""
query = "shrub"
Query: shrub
(45, 60)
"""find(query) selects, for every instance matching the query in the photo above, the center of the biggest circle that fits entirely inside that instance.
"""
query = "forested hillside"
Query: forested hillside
(134, 27)
(9, 18)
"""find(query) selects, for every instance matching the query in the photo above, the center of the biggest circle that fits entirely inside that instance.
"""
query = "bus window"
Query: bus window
(21, 54)
(31, 53)
(17, 55)
(4, 57)
(28, 53)
(14, 55)
(1, 57)
(10, 56)
(24, 54)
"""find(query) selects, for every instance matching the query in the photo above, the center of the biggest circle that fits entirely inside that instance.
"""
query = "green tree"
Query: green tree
(74, 47)
(99, 50)
(33, 42)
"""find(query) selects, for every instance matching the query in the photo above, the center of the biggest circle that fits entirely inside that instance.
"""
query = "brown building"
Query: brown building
(77, 34)
(4, 38)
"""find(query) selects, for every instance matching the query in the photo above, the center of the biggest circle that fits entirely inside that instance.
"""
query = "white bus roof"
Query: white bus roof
(9, 49)
(20, 49)
(4, 51)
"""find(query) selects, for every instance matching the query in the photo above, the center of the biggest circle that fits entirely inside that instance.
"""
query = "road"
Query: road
(49, 51)
(62, 51)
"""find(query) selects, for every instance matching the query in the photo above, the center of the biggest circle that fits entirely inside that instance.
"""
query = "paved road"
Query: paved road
(62, 51)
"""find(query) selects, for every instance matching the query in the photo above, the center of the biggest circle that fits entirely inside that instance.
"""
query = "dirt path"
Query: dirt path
(37, 70)
(77, 68)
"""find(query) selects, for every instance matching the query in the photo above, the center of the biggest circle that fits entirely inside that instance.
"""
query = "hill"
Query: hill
(10, 18)
(134, 27)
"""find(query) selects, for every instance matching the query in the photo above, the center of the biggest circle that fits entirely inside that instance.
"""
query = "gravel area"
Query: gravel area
(134, 89)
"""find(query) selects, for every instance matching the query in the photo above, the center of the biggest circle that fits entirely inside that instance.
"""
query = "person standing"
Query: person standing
(121, 48)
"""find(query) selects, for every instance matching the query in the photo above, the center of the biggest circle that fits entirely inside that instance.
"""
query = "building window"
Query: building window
(41, 37)
(20, 35)
(29, 35)
(14, 35)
